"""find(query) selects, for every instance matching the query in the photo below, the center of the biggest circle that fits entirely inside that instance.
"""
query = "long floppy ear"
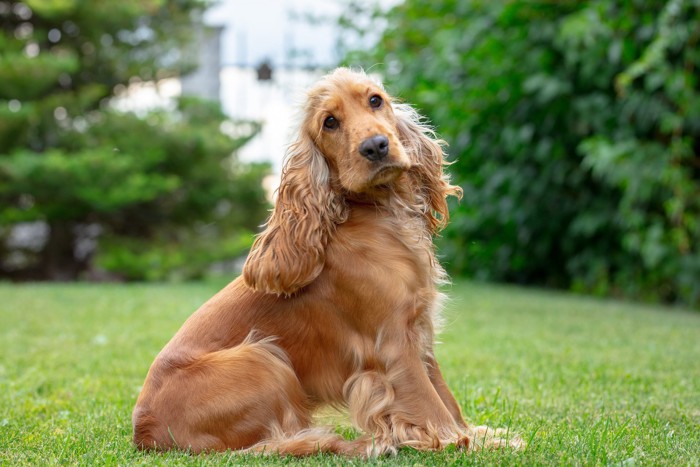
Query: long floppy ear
(290, 253)
(431, 183)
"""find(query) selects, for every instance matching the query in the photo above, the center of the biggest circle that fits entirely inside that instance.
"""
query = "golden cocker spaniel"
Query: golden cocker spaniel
(337, 304)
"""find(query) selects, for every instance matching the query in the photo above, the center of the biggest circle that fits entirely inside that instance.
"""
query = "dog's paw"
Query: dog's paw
(485, 437)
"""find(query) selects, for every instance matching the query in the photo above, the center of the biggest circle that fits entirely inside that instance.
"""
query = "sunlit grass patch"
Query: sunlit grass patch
(581, 380)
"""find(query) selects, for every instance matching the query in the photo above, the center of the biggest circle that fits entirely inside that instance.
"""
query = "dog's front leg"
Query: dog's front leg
(401, 407)
(420, 416)
(443, 390)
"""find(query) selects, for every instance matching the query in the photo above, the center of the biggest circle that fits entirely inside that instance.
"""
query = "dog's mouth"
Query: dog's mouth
(387, 174)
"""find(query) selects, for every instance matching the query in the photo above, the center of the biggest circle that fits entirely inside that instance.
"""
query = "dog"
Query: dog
(338, 303)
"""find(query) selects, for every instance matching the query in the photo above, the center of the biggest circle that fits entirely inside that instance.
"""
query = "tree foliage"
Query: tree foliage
(575, 127)
(84, 186)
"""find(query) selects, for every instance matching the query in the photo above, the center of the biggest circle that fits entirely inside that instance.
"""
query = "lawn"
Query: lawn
(585, 381)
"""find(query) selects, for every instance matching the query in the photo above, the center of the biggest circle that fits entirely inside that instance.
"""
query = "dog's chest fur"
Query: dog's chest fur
(384, 253)
(392, 258)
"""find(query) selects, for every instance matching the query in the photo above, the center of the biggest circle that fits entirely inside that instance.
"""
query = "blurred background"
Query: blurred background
(142, 140)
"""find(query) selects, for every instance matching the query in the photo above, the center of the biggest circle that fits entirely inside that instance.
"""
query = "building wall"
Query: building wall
(273, 103)
(205, 81)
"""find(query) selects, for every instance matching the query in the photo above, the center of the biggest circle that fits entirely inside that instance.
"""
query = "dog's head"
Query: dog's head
(351, 121)
(353, 141)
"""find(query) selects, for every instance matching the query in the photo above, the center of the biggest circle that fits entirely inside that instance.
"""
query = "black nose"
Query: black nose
(375, 148)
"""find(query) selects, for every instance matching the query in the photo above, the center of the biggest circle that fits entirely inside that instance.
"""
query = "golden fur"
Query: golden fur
(337, 304)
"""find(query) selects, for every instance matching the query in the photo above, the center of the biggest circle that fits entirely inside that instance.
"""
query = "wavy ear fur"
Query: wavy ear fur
(290, 253)
(431, 183)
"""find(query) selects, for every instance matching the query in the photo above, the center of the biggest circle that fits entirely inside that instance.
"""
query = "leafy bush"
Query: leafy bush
(575, 127)
(141, 196)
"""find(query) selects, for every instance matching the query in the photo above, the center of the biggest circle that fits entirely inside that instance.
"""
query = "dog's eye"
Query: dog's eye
(375, 101)
(331, 123)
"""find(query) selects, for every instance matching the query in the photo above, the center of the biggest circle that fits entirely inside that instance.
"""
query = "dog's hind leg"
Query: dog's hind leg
(228, 399)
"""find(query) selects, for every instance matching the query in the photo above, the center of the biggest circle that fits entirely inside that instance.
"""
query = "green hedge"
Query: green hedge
(575, 128)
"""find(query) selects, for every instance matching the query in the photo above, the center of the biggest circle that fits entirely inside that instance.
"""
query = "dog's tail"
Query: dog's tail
(319, 440)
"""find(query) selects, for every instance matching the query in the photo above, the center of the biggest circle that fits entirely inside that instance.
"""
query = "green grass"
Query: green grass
(585, 381)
